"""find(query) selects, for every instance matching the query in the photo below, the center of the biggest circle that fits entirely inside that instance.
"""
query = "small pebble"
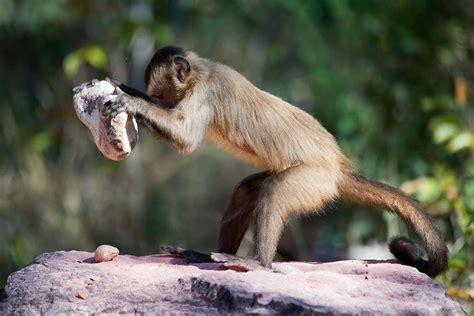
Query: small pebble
(105, 253)
(82, 294)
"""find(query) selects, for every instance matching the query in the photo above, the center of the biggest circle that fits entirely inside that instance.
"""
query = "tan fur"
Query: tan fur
(305, 169)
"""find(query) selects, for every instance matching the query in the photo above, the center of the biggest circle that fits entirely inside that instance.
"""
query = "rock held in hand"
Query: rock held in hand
(115, 137)
(105, 253)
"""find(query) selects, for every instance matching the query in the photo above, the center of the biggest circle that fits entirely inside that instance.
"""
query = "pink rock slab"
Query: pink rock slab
(71, 283)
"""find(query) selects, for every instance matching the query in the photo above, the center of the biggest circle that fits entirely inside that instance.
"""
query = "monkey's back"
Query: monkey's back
(265, 130)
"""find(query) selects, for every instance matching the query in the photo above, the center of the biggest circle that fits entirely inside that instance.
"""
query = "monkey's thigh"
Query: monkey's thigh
(240, 212)
(298, 190)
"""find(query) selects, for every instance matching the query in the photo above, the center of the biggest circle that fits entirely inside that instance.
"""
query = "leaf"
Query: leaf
(429, 191)
(95, 55)
(92, 54)
(444, 131)
(461, 141)
(469, 194)
(41, 141)
(444, 127)
(71, 64)
(457, 264)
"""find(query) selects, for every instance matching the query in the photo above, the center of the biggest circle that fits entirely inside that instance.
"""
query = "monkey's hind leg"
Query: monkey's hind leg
(240, 213)
(297, 190)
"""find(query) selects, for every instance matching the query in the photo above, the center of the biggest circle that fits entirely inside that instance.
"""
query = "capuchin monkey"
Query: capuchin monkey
(190, 98)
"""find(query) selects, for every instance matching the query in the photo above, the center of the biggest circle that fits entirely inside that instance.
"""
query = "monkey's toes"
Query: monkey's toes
(237, 263)
(189, 256)
(172, 250)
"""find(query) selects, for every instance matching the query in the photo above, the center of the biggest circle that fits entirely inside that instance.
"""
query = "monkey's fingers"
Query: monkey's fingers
(113, 82)
(84, 85)
(114, 106)
(117, 84)
(172, 250)
(91, 83)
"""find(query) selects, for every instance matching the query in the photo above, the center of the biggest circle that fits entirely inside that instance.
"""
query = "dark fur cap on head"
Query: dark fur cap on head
(162, 56)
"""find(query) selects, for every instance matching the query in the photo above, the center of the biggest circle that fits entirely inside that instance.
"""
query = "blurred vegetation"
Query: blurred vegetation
(392, 81)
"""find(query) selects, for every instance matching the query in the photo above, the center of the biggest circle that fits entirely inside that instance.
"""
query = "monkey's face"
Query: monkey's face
(163, 89)
(167, 78)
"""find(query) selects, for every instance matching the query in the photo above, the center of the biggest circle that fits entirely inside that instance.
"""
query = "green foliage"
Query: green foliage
(92, 54)
(391, 80)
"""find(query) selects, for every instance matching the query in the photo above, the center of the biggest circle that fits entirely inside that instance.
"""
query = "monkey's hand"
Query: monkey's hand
(121, 103)
(114, 82)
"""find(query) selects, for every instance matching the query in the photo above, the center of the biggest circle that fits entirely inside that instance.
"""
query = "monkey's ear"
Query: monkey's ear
(182, 68)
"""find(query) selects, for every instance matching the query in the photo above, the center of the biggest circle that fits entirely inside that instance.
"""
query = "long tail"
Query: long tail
(360, 190)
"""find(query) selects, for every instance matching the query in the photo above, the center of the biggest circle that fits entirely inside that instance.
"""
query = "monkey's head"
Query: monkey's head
(168, 76)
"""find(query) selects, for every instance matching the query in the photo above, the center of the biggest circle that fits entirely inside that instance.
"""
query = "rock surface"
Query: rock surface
(71, 283)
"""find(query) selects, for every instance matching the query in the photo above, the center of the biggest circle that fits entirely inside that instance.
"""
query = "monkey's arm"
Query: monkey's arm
(136, 93)
(129, 90)
(183, 129)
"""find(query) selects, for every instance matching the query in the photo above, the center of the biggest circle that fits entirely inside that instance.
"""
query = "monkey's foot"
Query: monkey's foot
(237, 263)
(189, 256)
(230, 262)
